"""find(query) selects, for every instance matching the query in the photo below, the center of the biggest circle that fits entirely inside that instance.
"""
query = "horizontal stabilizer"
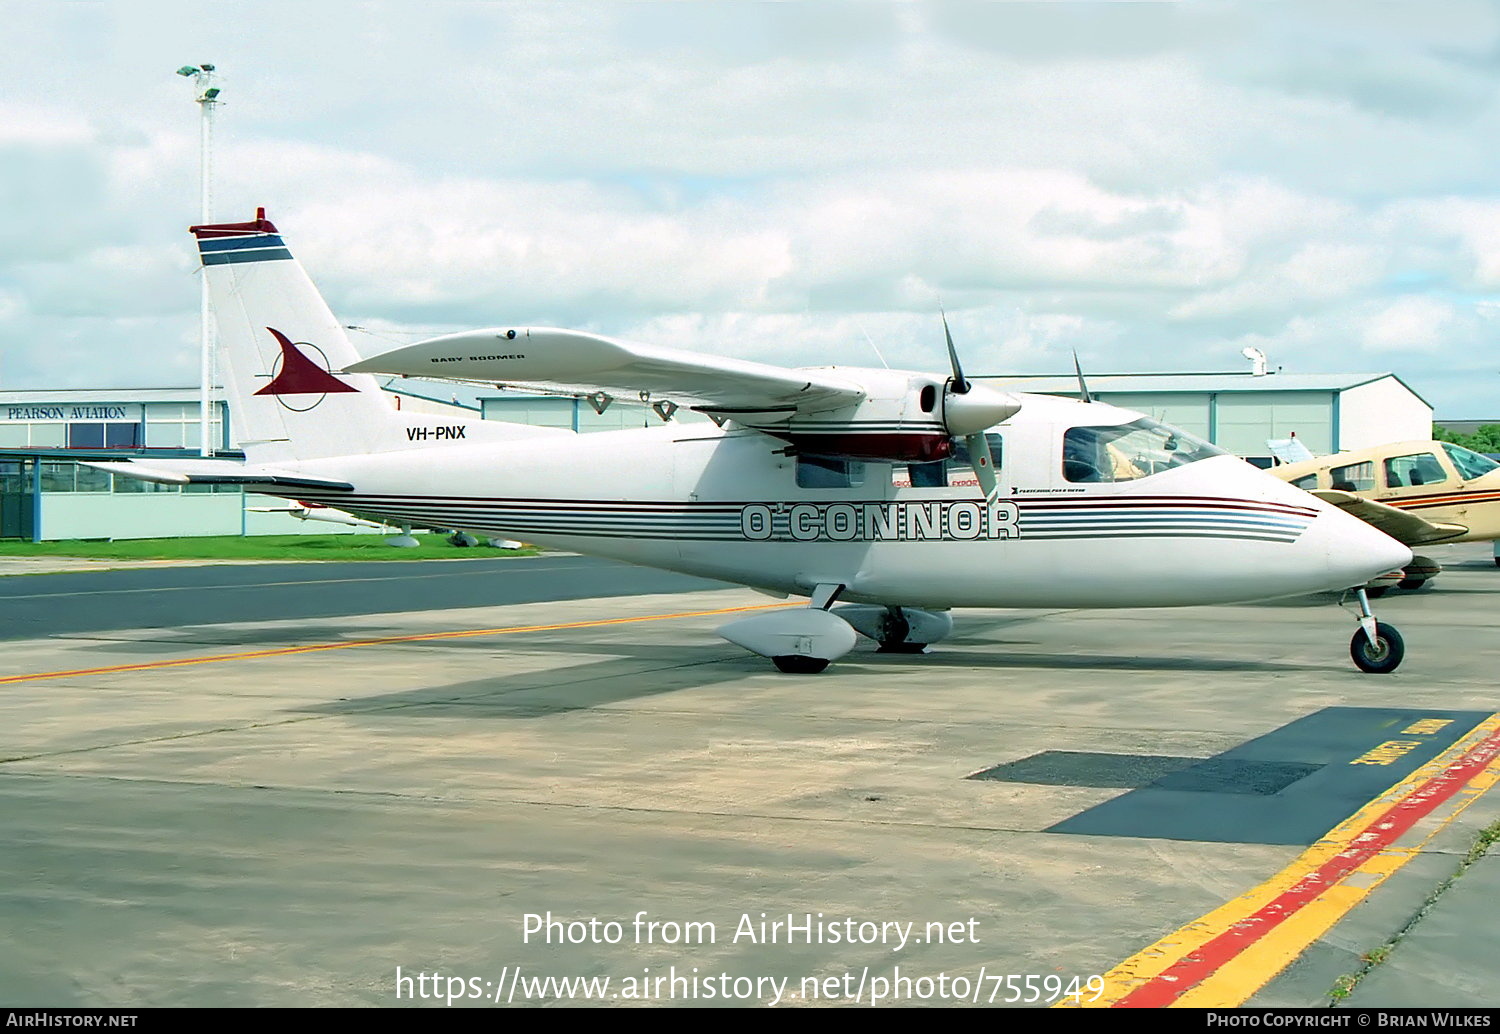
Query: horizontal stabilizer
(215, 472)
(1406, 528)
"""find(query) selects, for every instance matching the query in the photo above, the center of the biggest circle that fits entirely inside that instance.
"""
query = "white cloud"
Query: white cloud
(1410, 324)
(1154, 185)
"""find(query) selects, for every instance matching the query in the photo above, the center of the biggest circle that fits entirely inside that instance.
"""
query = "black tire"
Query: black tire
(793, 664)
(1412, 584)
(1377, 592)
(901, 647)
(1497, 561)
(1381, 658)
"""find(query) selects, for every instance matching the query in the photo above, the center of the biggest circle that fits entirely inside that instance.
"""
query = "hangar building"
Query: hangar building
(45, 493)
(1328, 412)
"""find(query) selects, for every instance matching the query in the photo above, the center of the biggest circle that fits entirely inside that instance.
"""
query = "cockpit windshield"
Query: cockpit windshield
(1470, 464)
(1125, 452)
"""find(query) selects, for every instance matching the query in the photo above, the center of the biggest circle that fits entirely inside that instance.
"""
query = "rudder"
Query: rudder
(283, 347)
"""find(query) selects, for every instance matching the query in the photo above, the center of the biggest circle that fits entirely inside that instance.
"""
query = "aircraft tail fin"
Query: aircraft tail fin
(285, 354)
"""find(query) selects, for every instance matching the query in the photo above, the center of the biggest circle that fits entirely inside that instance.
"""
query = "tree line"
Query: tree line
(1486, 439)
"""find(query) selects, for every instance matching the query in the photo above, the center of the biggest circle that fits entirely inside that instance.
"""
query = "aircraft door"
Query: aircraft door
(1414, 475)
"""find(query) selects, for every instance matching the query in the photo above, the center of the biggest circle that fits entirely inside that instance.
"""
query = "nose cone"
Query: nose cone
(977, 409)
(1353, 552)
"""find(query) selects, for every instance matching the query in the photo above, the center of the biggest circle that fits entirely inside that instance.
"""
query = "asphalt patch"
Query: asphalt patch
(1290, 786)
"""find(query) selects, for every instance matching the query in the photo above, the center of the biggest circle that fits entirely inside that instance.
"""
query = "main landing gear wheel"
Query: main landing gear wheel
(901, 646)
(895, 628)
(1383, 655)
(794, 664)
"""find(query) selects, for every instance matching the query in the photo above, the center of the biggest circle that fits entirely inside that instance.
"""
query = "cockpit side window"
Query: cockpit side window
(1126, 452)
(1307, 482)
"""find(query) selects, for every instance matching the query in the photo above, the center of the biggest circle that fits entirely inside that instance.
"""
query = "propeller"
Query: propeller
(969, 410)
(960, 386)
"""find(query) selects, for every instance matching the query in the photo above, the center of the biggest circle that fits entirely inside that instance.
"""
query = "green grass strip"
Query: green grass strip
(257, 547)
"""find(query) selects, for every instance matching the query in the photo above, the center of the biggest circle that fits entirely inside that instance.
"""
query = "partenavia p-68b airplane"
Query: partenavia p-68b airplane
(794, 487)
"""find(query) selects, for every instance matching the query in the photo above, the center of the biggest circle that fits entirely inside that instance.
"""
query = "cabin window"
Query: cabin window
(1356, 477)
(924, 475)
(1307, 482)
(1470, 464)
(824, 472)
(1420, 468)
(957, 471)
(1125, 452)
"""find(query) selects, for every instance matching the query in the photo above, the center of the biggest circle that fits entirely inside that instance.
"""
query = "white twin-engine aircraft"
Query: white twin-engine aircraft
(839, 484)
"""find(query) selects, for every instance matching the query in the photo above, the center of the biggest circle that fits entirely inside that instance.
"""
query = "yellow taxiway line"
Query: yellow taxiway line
(283, 651)
(1221, 959)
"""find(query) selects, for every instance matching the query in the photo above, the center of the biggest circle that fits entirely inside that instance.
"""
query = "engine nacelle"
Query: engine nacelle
(812, 635)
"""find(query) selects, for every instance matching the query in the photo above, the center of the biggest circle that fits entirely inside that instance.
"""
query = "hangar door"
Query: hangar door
(1246, 420)
(17, 504)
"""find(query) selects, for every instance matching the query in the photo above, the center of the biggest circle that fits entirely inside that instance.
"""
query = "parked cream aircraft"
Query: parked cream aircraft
(1419, 493)
(792, 489)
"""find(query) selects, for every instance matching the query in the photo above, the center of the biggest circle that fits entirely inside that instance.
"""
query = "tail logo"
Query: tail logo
(301, 369)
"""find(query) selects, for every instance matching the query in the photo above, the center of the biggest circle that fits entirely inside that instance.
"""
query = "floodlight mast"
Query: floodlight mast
(207, 98)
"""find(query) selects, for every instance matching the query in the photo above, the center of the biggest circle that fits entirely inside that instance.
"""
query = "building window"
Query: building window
(103, 436)
(57, 477)
(135, 486)
(89, 479)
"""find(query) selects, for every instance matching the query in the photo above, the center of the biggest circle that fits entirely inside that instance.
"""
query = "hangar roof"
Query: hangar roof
(461, 395)
(1226, 382)
(41, 396)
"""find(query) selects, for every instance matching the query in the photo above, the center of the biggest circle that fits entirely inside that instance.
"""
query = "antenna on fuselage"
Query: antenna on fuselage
(1083, 387)
(872, 344)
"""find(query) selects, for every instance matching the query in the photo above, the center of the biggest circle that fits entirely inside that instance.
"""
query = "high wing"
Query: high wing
(584, 362)
(1406, 528)
(216, 472)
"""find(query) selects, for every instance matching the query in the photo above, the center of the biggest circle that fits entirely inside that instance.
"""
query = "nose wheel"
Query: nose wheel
(1376, 647)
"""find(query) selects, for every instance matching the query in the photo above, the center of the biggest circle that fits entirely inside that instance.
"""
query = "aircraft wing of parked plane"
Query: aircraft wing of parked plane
(1406, 528)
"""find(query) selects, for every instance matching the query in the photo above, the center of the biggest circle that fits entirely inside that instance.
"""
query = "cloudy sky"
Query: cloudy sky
(1154, 185)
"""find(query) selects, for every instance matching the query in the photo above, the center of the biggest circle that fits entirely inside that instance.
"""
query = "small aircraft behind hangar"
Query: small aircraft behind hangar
(839, 484)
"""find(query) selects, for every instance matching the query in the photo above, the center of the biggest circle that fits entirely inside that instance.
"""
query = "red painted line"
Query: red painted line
(1180, 978)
